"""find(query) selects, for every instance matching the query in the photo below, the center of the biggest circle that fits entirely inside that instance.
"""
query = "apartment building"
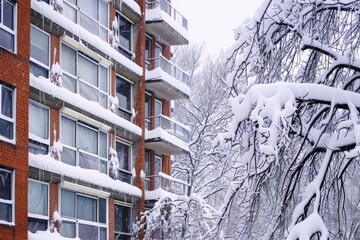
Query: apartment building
(86, 134)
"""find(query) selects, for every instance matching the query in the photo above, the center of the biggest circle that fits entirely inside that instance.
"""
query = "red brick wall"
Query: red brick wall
(111, 217)
(15, 71)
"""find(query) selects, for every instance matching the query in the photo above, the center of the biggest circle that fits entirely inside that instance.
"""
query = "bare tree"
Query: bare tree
(294, 80)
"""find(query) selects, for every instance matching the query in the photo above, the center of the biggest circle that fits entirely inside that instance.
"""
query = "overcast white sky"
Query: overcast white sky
(213, 21)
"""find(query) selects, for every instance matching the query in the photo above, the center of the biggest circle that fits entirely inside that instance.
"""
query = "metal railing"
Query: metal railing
(167, 183)
(170, 68)
(166, 7)
(171, 127)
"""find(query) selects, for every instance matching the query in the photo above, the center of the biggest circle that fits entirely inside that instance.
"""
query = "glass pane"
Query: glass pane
(123, 92)
(86, 208)
(89, 24)
(88, 71)
(122, 219)
(104, 34)
(37, 198)
(88, 232)
(89, 7)
(68, 59)
(7, 40)
(8, 15)
(39, 46)
(103, 144)
(158, 107)
(35, 147)
(103, 79)
(104, 13)
(38, 71)
(103, 234)
(68, 131)
(147, 163)
(157, 55)
(69, 12)
(6, 102)
(39, 121)
(5, 185)
(87, 161)
(102, 210)
(6, 212)
(67, 204)
(147, 105)
(125, 33)
(147, 48)
(125, 177)
(68, 156)
(123, 156)
(103, 100)
(68, 229)
(35, 224)
(89, 92)
(103, 166)
(6, 129)
(69, 83)
(87, 139)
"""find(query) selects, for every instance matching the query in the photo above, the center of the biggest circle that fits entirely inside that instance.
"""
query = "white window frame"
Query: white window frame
(129, 145)
(12, 201)
(5, 28)
(35, 61)
(76, 148)
(6, 118)
(88, 193)
(130, 206)
(131, 50)
(78, 80)
(32, 136)
(98, 21)
(38, 216)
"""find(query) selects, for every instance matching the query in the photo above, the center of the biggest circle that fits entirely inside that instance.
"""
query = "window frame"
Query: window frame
(13, 32)
(123, 49)
(33, 137)
(6, 118)
(78, 221)
(39, 216)
(77, 149)
(125, 113)
(147, 166)
(130, 207)
(78, 81)
(34, 60)
(157, 182)
(129, 148)
(12, 201)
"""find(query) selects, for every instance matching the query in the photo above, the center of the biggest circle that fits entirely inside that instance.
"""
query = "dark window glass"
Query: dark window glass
(5, 185)
(123, 156)
(122, 219)
(123, 93)
(35, 224)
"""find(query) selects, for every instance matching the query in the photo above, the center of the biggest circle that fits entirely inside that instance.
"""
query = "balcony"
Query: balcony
(165, 23)
(167, 136)
(167, 80)
(163, 182)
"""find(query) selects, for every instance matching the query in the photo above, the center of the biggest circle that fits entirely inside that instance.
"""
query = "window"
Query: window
(83, 145)
(125, 36)
(39, 140)
(7, 113)
(148, 52)
(84, 75)
(83, 216)
(158, 112)
(7, 196)
(38, 206)
(91, 15)
(124, 94)
(157, 169)
(147, 170)
(39, 52)
(122, 222)
(147, 110)
(158, 51)
(8, 24)
(124, 157)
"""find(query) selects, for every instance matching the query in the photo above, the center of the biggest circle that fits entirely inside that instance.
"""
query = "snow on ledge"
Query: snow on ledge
(163, 134)
(47, 235)
(133, 5)
(159, 193)
(158, 73)
(94, 40)
(44, 85)
(47, 163)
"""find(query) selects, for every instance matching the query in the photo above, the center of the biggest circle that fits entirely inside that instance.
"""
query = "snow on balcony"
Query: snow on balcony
(44, 85)
(165, 23)
(47, 11)
(47, 163)
(133, 5)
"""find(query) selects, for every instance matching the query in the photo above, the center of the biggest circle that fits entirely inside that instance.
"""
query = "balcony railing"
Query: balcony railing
(167, 8)
(171, 127)
(166, 183)
(170, 68)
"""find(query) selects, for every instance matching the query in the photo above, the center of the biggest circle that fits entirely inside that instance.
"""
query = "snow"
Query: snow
(133, 5)
(163, 134)
(57, 217)
(159, 193)
(158, 73)
(47, 235)
(163, 175)
(94, 108)
(157, 14)
(48, 12)
(46, 162)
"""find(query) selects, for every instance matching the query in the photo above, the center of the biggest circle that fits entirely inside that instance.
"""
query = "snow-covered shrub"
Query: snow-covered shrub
(56, 148)
(114, 34)
(58, 5)
(55, 74)
(113, 163)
